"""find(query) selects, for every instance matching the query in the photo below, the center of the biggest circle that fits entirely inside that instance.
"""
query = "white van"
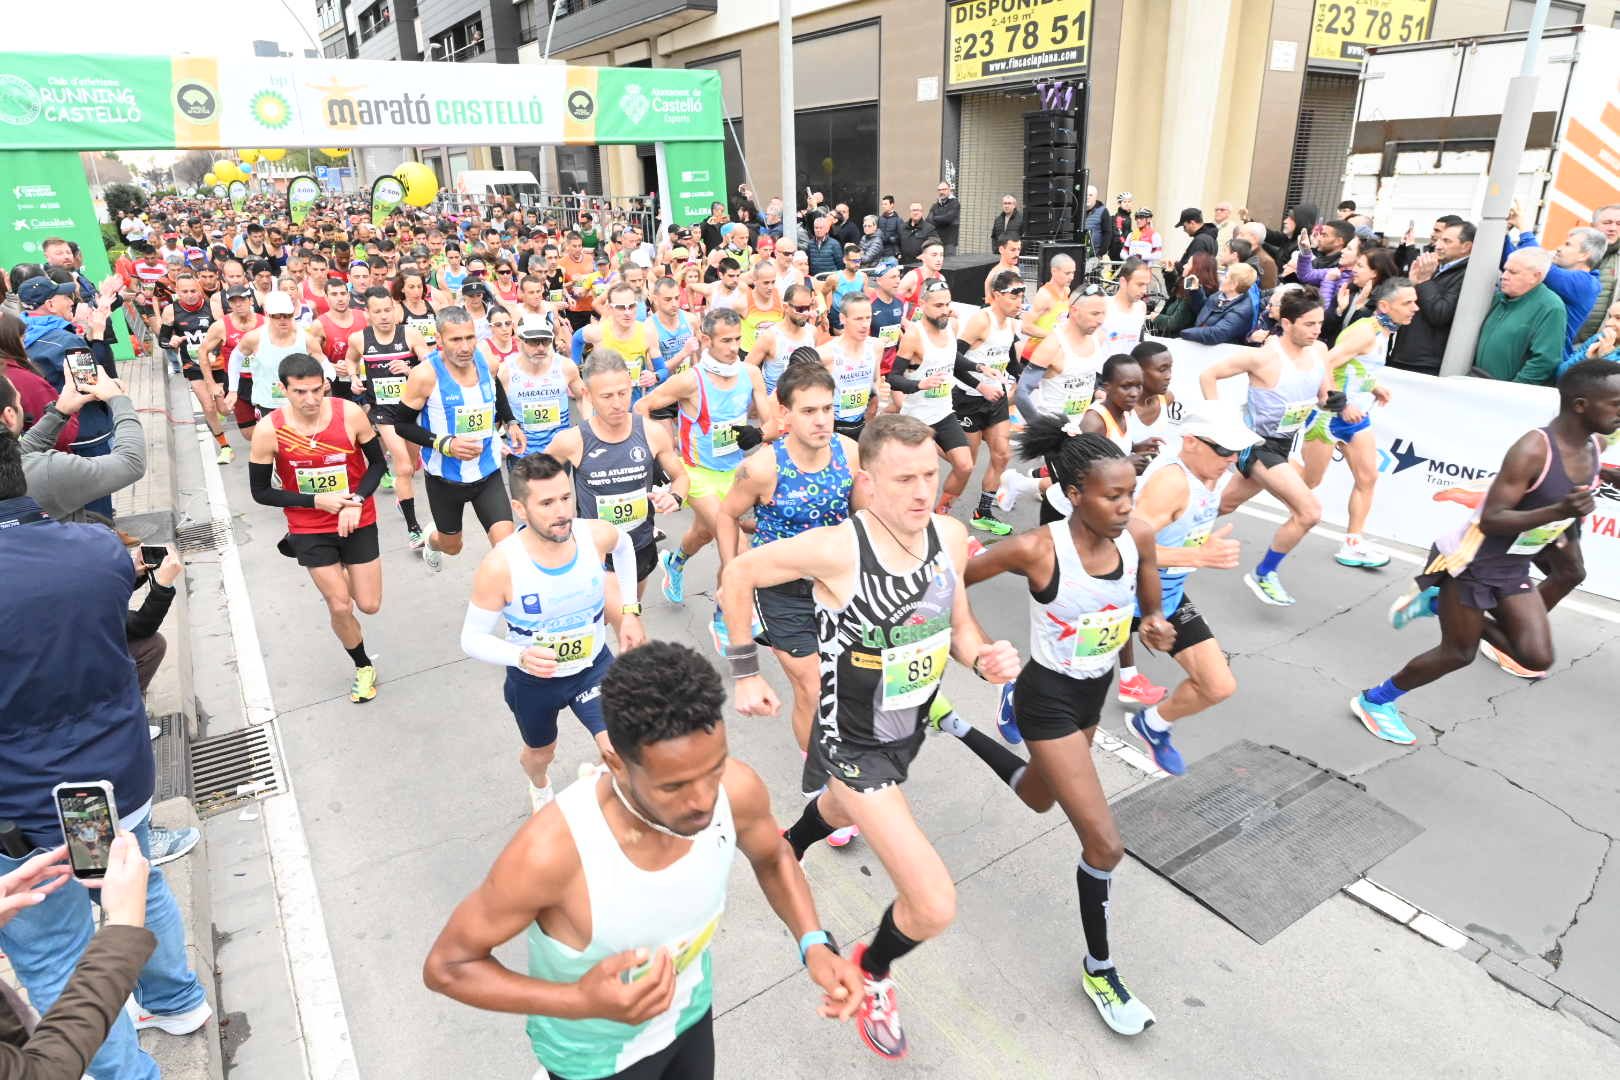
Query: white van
(488, 183)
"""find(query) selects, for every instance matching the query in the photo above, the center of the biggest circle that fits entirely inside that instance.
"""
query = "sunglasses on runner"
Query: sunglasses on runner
(1016, 290)
(804, 309)
(936, 285)
(1216, 448)
(1093, 289)
(622, 307)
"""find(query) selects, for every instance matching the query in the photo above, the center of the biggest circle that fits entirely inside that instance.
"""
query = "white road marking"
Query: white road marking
(328, 1051)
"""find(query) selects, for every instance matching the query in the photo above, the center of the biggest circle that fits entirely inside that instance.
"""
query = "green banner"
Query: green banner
(643, 105)
(694, 175)
(386, 194)
(54, 202)
(302, 191)
(239, 194)
(65, 101)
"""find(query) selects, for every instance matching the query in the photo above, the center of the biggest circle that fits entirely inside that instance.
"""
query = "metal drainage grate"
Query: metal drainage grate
(235, 768)
(170, 750)
(201, 537)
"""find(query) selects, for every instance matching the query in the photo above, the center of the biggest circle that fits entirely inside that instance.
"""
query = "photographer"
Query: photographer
(71, 710)
(65, 484)
(147, 647)
(60, 1045)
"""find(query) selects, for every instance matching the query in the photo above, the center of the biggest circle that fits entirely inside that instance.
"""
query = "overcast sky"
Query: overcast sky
(175, 26)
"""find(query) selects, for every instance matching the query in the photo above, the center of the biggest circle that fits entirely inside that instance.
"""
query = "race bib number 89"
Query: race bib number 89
(911, 671)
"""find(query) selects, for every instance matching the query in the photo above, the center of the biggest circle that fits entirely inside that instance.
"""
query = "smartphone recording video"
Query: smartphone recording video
(82, 364)
(153, 556)
(89, 820)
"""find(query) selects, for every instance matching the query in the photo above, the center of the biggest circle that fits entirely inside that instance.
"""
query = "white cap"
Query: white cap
(279, 303)
(1218, 422)
(535, 328)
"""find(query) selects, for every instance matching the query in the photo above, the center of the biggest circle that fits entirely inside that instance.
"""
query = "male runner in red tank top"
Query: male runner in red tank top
(329, 460)
(331, 333)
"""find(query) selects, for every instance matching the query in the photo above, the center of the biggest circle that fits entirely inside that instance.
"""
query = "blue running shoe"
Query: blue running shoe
(1417, 604)
(1005, 721)
(1383, 721)
(674, 584)
(1164, 755)
(717, 631)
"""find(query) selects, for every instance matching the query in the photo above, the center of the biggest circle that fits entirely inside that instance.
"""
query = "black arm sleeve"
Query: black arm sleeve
(897, 377)
(376, 467)
(404, 419)
(503, 408)
(966, 370)
(265, 495)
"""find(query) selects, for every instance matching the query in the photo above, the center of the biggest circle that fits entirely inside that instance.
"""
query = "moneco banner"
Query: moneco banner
(996, 41)
(1342, 29)
(74, 101)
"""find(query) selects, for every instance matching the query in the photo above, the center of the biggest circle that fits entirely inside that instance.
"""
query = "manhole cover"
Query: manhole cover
(201, 537)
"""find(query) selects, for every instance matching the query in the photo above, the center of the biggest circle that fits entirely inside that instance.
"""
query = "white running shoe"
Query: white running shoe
(174, 1023)
(432, 556)
(1014, 486)
(539, 797)
(1362, 555)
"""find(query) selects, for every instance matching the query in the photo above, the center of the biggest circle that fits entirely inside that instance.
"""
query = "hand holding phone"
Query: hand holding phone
(81, 368)
(123, 887)
(88, 815)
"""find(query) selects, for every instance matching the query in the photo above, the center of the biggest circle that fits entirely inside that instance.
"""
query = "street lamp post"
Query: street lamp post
(784, 61)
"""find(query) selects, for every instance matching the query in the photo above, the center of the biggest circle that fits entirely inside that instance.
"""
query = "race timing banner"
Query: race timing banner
(71, 101)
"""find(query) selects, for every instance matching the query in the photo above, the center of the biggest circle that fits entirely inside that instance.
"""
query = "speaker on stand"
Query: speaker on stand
(1051, 152)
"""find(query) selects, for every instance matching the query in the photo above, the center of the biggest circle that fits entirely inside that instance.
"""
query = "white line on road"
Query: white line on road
(328, 1051)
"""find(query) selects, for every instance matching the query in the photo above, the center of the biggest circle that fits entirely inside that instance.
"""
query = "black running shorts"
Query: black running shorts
(447, 500)
(788, 613)
(978, 414)
(325, 549)
(1048, 705)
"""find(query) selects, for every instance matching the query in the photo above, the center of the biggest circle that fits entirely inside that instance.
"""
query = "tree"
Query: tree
(192, 166)
(123, 200)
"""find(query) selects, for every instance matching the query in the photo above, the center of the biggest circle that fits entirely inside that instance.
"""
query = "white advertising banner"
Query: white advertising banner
(1436, 439)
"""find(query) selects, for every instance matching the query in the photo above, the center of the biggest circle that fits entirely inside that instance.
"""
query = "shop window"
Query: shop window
(1559, 13)
(839, 68)
(836, 153)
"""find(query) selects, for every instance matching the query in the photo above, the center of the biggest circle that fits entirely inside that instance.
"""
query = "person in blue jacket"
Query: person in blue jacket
(1573, 274)
(1229, 315)
(1603, 345)
(48, 335)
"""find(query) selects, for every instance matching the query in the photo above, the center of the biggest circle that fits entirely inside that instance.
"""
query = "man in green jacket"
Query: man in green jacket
(1522, 338)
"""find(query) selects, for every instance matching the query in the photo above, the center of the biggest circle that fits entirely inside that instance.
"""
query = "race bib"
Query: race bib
(1077, 394)
(723, 437)
(1531, 541)
(541, 414)
(851, 401)
(1101, 633)
(942, 390)
(633, 365)
(555, 296)
(475, 420)
(889, 336)
(322, 479)
(388, 387)
(683, 952)
(625, 510)
(911, 671)
(1198, 535)
(1295, 413)
(570, 646)
(277, 391)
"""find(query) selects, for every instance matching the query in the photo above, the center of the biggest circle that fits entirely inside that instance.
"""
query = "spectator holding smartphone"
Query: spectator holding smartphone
(59, 1046)
(146, 646)
(65, 484)
(71, 710)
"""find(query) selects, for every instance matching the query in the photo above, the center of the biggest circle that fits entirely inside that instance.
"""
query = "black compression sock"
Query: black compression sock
(1093, 885)
(888, 945)
(811, 828)
(986, 503)
(1003, 761)
(358, 655)
(408, 508)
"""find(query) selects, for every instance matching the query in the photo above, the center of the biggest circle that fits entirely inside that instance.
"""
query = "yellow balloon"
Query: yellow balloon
(272, 155)
(250, 156)
(421, 186)
(331, 151)
(225, 170)
(209, 180)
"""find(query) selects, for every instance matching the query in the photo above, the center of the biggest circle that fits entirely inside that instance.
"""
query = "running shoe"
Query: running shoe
(432, 556)
(1269, 589)
(1164, 755)
(658, 535)
(1416, 604)
(1361, 555)
(1140, 690)
(1006, 719)
(991, 524)
(1383, 721)
(415, 538)
(1119, 1008)
(167, 845)
(365, 685)
(387, 482)
(153, 732)
(674, 584)
(225, 456)
(1014, 486)
(1507, 663)
(879, 1014)
(842, 837)
(183, 1023)
(974, 547)
(539, 797)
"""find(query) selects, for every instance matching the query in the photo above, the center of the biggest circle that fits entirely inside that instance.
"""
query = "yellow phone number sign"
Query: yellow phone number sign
(1005, 40)
(1342, 29)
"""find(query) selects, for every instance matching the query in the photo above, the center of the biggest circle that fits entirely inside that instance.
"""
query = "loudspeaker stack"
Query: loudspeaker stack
(1051, 161)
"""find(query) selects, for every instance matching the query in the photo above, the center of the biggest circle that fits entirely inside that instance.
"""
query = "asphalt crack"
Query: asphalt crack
(1555, 955)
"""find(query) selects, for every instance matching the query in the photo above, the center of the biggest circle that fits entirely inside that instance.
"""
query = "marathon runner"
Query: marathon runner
(677, 340)
(185, 326)
(1544, 489)
(379, 358)
(619, 889)
(1354, 362)
(930, 345)
(453, 407)
(714, 396)
(415, 311)
(888, 312)
(1180, 505)
(1009, 250)
(835, 288)
(854, 358)
(540, 384)
(1288, 380)
(259, 353)
(331, 333)
(762, 306)
(1121, 329)
(1087, 575)
(1155, 415)
(979, 398)
(914, 286)
(1050, 305)
(547, 585)
(329, 462)
(884, 638)
(223, 336)
(776, 342)
(635, 342)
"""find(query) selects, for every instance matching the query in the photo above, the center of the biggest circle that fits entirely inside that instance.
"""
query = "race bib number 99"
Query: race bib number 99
(623, 510)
